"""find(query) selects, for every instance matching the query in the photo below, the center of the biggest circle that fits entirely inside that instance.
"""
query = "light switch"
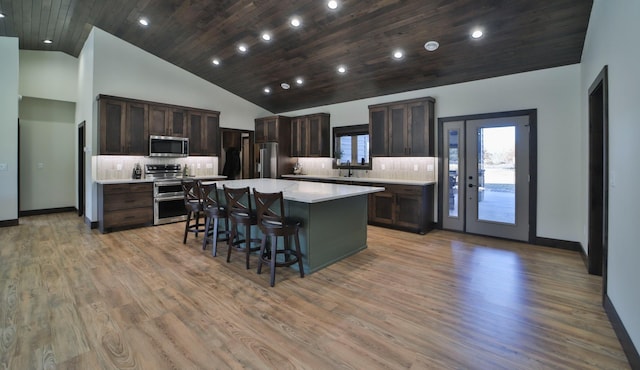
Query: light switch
(3, 167)
(430, 167)
(209, 165)
(40, 165)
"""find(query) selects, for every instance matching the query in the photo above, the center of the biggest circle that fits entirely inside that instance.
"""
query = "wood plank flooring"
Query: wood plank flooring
(71, 298)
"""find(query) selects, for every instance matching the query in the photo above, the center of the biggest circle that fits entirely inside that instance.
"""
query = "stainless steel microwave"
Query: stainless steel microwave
(168, 146)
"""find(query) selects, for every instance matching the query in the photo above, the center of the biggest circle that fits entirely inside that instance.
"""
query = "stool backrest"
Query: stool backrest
(238, 201)
(270, 209)
(191, 192)
(209, 195)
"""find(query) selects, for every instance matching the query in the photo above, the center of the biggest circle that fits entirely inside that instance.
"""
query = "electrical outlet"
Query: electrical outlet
(4, 167)
(382, 167)
(415, 167)
(119, 167)
(430, 167)
(40, 165)
(198, 166)
(322, 165)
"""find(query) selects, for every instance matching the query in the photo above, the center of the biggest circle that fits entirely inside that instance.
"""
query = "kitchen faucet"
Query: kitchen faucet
(349, 172)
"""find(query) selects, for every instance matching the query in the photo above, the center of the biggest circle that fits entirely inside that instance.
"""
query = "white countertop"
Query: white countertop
(302, 191)
(135, 181)
(360, 179)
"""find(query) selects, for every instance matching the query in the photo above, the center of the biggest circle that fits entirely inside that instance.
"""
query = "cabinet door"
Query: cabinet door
(158, 120)
(137, 132)
(298, 137)
(378, 131)
(112, 126)
(271, 129)
(383, 207)
(318, 136)
(211, 135)
(178, 123)
(418, 134)
(398, 130)
(408, 210)
(260, 136)
(195, 132)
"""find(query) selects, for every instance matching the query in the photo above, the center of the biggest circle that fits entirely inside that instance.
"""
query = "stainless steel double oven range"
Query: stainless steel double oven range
(168, 199)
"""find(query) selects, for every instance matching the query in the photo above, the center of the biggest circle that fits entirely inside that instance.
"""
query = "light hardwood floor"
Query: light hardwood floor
(72, 298)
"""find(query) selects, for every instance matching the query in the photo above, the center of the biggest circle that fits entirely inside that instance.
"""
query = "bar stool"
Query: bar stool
(213, 211)
(193, 205)
(240, 214)
(273, 223)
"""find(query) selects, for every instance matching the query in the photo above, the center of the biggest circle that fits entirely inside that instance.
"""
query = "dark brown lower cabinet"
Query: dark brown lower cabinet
(406, 207)
(124, 205)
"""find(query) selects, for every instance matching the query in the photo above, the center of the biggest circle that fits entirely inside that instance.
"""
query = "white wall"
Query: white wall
(47, 148)
(9, 128)
(610, 41)
(48, 75)
(555, 94)
(111, 66)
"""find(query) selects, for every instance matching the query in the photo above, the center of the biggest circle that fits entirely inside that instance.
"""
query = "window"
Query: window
(351, 147)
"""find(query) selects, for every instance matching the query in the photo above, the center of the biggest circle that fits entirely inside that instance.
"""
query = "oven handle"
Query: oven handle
(158, 200)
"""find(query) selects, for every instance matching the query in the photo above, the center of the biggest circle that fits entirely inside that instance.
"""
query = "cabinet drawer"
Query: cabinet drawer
(127, 201)
(128, 217)
(128, 188)
(407, 189)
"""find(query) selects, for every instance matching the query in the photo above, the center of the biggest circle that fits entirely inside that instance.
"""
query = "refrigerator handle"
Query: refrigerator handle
(261, 163)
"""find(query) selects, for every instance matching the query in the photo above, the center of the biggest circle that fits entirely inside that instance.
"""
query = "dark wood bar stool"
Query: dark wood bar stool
(213, 211)
(193, 205)
(241, 214)
(273, 223)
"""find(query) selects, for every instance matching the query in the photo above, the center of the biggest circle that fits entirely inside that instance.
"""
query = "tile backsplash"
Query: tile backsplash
(401, 168)
(116, 167)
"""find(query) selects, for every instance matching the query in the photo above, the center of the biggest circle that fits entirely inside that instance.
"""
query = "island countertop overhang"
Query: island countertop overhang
(302, 191)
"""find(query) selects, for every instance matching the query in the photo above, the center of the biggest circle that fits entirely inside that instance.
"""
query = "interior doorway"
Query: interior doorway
(598, 176)
(236, 143)
(486, 177)
(81, 168)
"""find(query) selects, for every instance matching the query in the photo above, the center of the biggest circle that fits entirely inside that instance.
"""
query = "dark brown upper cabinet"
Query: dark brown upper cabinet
(403, 128)
(310, 136)
(123, 127)
(167, 121)
(276, 129)
(204, 133)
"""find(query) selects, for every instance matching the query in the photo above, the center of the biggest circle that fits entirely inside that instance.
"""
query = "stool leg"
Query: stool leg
(262, 248)
(197, 222)
(214, 249)
(207, 224)
(234, 233)
(247, 243)
(298, 254)
(186, 227)
(272, 263)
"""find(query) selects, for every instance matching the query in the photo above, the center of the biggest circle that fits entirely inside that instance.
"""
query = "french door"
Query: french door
(486, 176)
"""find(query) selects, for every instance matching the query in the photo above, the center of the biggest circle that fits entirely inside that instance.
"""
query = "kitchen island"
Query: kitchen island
(334, 217)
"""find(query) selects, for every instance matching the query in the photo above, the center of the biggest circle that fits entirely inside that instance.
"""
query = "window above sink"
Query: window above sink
(351, 147)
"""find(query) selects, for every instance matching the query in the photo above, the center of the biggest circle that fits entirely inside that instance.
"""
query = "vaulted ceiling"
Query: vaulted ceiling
(361, 35)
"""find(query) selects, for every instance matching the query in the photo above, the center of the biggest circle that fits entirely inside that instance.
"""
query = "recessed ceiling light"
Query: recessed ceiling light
(398, 54)
(477, 34)
(295, 21)
(342, 69)
(143, 21)
(216, 61)
(267, 90)
(299, 81)
(242, 48)
(431, 45)
(47, 41)
(266, 36)
(333, 4)
(285, 86)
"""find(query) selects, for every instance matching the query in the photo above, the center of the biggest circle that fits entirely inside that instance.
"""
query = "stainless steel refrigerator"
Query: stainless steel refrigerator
(267, 161)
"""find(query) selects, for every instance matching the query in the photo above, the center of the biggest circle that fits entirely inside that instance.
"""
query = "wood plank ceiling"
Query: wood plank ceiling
(519, 36)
